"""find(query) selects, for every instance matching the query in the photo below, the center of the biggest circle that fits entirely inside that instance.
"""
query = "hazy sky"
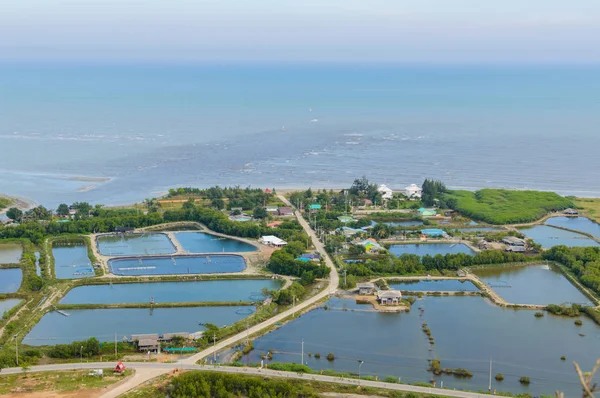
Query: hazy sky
(366, 31)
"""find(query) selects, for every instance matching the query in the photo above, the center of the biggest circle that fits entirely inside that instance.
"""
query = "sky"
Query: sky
(301, 31)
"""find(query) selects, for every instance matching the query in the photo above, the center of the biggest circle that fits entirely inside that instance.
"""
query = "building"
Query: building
(314, 206)
(515, 249)
(169, 336)
(271, 209)
(145, 342)
(347, 231)
(311, 256)
(385, 191)
(271, 240)
(367, 202)
(371, 245)
(274, 224)
(124, 230)
(571, 212)
(365, 288)
(413, 191)
(427, 212)
(513, 241)
(268, 191)
(389, 297)
(285, 211)
(345, 219)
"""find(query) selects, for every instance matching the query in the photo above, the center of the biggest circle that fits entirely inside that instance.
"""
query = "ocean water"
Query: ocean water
(150, 128)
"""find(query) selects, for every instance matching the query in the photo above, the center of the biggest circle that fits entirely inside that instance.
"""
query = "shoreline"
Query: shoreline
(19, 202)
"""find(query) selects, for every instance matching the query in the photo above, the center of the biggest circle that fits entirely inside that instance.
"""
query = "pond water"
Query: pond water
(221, 290)
(10, 253)
(135, 244)
(200, 242)
(430, 248)
(533, 284)
(6, 305)
(576, 223)
(55, 328)
(548, 237)
(10, 280)
(72, 262)
(213, 264)
(433, 285)
(468, 331)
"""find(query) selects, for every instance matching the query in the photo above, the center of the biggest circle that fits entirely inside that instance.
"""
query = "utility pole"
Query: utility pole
(490, 385)
(115, 346)
(294, 306)
(360, 362)
(17, 349)
(214, 348)
(302, 361)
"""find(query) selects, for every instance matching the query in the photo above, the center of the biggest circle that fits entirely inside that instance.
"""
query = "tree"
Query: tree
(431, 190)
(259, 212)
(62, 210)
(218, 203)
(14, 214)
(189, 204)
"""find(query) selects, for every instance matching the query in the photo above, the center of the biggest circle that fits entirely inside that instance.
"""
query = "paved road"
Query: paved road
(152, 369)
(333, 284)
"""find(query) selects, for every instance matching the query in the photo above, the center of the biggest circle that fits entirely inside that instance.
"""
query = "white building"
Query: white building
(271, 240)
(413, 191)
(385, 191)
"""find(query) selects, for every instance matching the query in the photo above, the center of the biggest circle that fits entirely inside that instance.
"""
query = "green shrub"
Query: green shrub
(538, 314)
(330, 357)
(317, 355)
(578, 322)
(524, 380)
(563, 358)
(499, 377)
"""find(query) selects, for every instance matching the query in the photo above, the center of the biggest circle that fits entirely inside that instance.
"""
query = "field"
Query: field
(66, 383)
(4, 203)
(590, 207)
(501, 206)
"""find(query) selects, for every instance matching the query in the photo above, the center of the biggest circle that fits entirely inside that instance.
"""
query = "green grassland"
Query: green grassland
(4, 202)
(501, 206)
(590, 207)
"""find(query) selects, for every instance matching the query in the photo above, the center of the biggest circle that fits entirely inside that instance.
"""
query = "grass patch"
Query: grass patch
(501, 206)
(590, 207)
(61, 381)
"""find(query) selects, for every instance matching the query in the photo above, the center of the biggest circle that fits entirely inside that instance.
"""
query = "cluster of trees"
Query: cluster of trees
(246, 198)
(501, 206)
(216, 385)
(86, 348)
(284, 262)
(584, 262)
(432, 190)
(412, 264)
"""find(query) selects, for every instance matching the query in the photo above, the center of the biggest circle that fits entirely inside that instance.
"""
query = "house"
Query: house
(268, 191)
(271, 209)
(147, 345)
(169, 336)
(413, 191)
(515, 249)
(367, 202)
(365, 288)
(427, 212)
(285, 211)
(386, 193)
(274, 224)
(371, 245)
(513, 241)
(271, 240)
(347, 231)
(571, 212)
(345, 219)
(389, 297)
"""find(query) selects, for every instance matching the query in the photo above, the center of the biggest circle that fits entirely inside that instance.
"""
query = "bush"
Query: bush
(460, 372)
(330, 357)
(390, 379)
(563, 358)
(499, 377)
(578, 322)
(317, 355)
(524, 380)
(538, 314)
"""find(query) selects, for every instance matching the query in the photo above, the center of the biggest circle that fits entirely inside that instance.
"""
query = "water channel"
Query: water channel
(577, 224)
(200, 242)
(533, 284)
(219, 290)
(135, 244)
(6, 305)
(548, 237)
(213, 264)
(468, 331)
(430, 248)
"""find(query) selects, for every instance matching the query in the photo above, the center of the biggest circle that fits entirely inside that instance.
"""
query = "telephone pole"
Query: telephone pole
(302, 361)
(115, 346)
(214, 348)
(490, 385)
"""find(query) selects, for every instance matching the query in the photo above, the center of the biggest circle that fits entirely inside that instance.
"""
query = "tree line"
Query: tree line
(584, 262)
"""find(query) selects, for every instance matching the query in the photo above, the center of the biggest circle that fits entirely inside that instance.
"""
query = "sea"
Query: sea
(117, 134)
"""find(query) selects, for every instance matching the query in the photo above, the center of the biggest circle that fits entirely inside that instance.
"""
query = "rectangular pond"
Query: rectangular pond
(430, 248)
(55, 328)
(213, 264)
(435, 285)
(468, 331)
(533, 284)
(170, 292)
(577, 224)
(6, 305)
(548, 237)
(10, 253)
(10, 280)
(200, 242)
(135, 244)
(72, 262)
